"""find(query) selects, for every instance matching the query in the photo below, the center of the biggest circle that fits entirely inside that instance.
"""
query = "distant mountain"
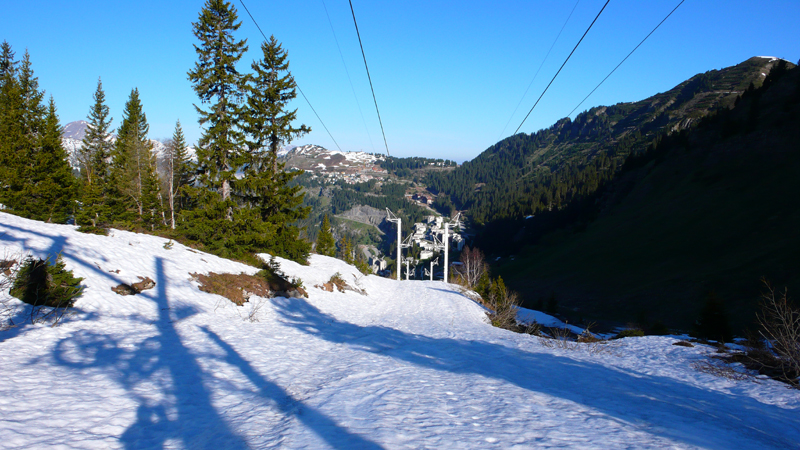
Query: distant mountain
(75, 130)
(72, 141)
(315, 158)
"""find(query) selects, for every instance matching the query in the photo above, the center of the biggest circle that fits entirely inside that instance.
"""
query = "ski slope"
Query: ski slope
(408, 365)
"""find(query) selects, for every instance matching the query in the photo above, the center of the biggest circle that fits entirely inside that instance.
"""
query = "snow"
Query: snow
(411, 364)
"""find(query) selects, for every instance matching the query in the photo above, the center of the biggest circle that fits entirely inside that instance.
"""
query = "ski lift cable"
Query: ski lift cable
(562, 66)
(296, 85)
(369, 136)
(625, 59)
(363, 55)
(538, 70)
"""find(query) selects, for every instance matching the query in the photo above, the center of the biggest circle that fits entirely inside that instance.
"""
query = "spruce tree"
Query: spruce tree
(34, 110)
(50, 188)
(8, 65)
(10, 111)
(325, 243)
(270, 89)
(133, 179)
(178, 171)
(93, 158)
(268, 125)
(218, 83)
(22, 124)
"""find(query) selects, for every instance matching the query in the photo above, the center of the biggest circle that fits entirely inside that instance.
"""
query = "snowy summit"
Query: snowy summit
(410, 364)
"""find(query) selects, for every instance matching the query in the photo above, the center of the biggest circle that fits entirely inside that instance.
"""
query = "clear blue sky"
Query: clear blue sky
(447, 74)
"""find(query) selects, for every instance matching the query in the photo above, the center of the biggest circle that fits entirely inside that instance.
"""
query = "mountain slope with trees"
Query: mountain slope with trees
(529, 173)
(702, 215)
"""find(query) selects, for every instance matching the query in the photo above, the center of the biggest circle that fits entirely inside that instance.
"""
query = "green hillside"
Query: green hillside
(547, 170)
(709, 210)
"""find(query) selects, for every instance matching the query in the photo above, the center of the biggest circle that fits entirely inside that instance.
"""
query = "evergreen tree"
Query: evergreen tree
(178, 171)
(267, 125)
(34, 109)
(346, 250)
(93, 158)
(50, 188)
(270, 89)
(325, 243)
(7, 63)
(218, 83)
(23, 121)
(10, 120)
(133, 176)
(245, 202)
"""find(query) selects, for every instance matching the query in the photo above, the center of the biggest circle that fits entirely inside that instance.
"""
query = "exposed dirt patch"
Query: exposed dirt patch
(143, 284)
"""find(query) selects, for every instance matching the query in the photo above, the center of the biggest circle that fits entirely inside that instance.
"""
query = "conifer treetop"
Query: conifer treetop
(271, 87)
(96, 147)
(7, 63)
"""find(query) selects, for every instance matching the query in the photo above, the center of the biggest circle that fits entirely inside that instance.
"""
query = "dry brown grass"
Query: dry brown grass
(238, 288)
(336, 281)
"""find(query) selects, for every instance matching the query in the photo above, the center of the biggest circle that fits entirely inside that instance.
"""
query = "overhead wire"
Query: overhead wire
(562, 66)
(348, 76)
(538, 70)
(369, 77)
(629, 54)
(296, 85)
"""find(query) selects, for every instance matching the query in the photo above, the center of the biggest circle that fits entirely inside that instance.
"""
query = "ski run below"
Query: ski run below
(411, 364)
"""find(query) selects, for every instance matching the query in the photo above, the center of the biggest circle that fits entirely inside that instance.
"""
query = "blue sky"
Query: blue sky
(447, 74)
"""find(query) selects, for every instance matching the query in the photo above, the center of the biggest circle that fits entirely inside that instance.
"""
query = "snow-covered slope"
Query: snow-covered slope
(409, 365)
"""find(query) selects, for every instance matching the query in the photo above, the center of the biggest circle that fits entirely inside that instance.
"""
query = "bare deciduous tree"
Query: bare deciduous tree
(780, 327)
(473, 266)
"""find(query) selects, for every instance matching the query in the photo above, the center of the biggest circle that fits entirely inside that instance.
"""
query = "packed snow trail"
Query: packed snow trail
(409, 365)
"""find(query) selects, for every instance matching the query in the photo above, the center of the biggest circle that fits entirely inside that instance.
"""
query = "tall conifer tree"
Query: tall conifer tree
(178, 171)
(268, 125)
(270, 89)
(50, 188)
(10, 115)
(133, 176)
(22, 125)
(325, 242)
(218, 83)
(93, 157)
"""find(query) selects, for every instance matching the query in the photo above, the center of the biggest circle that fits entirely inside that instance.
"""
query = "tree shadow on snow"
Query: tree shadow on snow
(184, 411)
(325, 427)
(661, 406)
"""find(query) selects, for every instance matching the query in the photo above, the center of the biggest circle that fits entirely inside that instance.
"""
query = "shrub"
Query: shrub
(503, 305)
(779, 321)
(39, 283)
(631, 332)
(89, 229)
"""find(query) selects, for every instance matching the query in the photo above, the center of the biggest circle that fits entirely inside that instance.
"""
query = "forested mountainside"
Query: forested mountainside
(528, 173)
(699, 218)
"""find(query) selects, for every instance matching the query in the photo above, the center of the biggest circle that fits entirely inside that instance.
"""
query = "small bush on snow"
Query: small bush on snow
(40, 283)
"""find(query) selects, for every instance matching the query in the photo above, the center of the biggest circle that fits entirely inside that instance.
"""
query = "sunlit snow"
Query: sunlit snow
(412, 364)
